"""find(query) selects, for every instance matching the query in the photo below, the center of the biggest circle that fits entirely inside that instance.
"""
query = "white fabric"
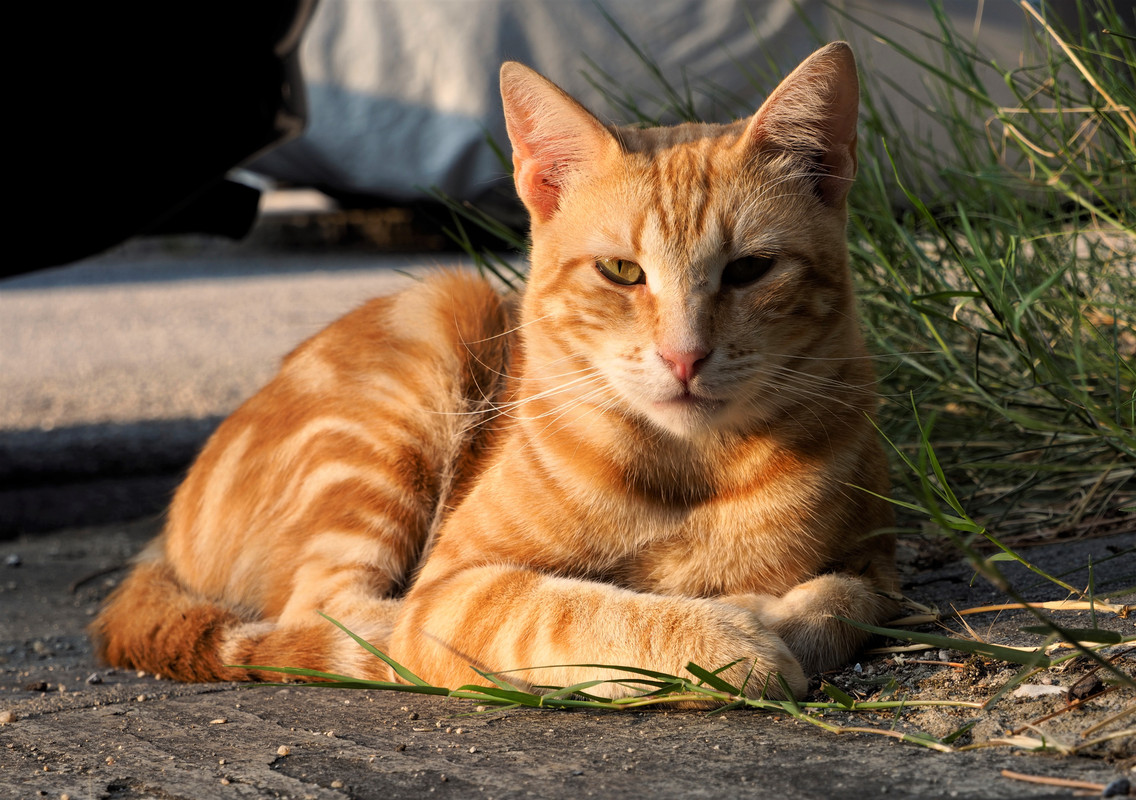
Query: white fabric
(402, 93)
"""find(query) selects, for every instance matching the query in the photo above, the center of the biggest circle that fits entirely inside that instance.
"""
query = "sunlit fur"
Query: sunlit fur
(467, 481)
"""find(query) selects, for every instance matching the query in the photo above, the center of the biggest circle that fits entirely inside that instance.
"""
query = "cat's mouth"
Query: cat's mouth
(688, 400)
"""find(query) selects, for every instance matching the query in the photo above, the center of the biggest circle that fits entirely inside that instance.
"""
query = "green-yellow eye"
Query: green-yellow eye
(621, 271)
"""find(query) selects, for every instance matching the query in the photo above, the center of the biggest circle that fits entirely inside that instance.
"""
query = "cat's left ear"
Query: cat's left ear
(554, 138)
(811, 115)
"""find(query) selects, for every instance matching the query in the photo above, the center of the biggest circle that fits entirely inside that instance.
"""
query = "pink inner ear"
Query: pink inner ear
(554, 138)
(543, 158)
(535, 181)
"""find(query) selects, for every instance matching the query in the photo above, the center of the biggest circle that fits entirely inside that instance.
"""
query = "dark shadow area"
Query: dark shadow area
(93, 474)
(345, 239)
(101, 501)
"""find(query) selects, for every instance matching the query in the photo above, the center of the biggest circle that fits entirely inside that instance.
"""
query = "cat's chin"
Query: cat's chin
(687, 415)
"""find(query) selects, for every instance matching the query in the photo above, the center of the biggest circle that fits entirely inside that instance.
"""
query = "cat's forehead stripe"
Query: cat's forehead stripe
(680, 204)
(636, 230)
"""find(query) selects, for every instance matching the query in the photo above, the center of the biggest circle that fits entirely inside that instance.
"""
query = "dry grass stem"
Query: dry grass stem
(1048, 781)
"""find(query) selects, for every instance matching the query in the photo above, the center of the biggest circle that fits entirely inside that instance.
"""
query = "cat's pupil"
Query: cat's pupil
(621, 271)
(746, 270)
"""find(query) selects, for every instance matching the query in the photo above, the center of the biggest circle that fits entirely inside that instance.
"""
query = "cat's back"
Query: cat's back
(347, 444)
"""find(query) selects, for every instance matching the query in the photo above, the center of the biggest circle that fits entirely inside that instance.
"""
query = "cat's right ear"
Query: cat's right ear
(812, 114)
(554, 138)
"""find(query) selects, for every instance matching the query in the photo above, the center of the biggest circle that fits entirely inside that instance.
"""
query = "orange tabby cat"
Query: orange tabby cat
(651, 461)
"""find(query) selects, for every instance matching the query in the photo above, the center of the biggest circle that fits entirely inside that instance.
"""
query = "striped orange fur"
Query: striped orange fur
(650, 458)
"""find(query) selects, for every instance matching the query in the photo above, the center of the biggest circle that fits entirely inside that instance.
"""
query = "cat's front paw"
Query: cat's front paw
(808, 617)
(765, 665)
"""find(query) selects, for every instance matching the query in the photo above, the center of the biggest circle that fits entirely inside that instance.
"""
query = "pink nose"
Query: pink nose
(683, 363)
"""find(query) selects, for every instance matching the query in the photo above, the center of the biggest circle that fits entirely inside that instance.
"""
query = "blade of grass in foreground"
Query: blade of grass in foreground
(399, 670)
(1031, 657)
(649, 688)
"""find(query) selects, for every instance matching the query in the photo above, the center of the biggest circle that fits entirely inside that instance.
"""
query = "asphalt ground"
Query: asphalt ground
(75, 728)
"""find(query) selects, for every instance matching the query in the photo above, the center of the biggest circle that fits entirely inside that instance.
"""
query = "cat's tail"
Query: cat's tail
(152, 622)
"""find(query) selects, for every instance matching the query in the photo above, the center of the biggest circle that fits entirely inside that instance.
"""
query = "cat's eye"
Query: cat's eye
(621, 271)
(746, 270)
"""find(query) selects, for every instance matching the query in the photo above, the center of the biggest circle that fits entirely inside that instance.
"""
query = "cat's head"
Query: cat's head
(694, 276)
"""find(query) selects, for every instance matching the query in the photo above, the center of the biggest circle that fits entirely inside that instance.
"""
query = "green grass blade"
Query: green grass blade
(838, 695)
(1033, 659)
(399, 670)
(711, 679)
(335, 681)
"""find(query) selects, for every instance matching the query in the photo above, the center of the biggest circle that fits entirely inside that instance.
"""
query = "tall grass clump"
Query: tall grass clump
(999, 273)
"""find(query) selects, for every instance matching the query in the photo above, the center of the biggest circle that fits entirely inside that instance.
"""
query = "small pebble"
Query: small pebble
(8, 717)
(218, 721)
(1121, 787)
(224, 781)
(1085, 688)
(337, 784)
(13, 560)
(110, 759)
(94, 678)
(473, 749)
